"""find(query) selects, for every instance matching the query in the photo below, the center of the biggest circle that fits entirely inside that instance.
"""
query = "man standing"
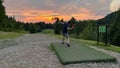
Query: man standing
(65, 29)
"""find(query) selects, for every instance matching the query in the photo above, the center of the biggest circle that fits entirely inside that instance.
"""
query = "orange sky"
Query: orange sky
(36, 16)
(45, 10)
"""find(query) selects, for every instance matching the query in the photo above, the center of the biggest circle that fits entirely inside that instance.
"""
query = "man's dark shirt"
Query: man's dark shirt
(65, 26)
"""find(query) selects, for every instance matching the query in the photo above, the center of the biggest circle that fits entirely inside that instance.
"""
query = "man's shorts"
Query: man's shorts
(65, 35)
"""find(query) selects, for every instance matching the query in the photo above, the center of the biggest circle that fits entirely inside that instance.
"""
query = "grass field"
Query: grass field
(88, 42)
(100, 45)
(4, 35)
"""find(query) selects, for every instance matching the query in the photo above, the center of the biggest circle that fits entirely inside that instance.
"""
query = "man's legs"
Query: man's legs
(67, 40)
(63, 40)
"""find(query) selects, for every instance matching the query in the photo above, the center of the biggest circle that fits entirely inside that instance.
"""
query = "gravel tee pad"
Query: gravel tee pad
(78, 53)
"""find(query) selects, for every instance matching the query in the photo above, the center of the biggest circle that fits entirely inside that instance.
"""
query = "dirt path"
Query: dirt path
(31, 51)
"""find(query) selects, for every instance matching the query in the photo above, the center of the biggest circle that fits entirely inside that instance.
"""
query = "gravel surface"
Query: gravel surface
(32, 51)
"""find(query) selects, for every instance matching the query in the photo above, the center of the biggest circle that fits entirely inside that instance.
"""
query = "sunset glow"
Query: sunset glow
(45, 10)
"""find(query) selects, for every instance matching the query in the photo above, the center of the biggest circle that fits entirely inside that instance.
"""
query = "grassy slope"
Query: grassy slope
(88, 42)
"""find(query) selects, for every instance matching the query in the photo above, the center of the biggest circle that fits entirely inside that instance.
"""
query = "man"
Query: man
(65, 30)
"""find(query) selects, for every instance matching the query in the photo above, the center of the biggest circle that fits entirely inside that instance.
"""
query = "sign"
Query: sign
(102, 28)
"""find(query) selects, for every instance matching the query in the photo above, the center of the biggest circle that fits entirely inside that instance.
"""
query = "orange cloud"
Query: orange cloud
(34, 15)
(38, 19)
(45, 10)
(85, 14)
(46, 16)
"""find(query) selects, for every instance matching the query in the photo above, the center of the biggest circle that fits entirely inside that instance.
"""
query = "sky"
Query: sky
(45, 10)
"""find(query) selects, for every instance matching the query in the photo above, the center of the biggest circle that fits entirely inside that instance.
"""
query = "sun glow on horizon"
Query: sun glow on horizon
(45, 11)
(27, 17)
(47, 16)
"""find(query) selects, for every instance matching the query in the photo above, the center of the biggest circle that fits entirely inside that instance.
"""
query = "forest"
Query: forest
(87, 29)
(10, 24)
(84, 29)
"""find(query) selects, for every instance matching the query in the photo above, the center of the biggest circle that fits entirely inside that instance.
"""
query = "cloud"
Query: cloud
(43, 10)
(103, 1)
(50, 15)
(115, 5)
(86, 14)
(34, 15)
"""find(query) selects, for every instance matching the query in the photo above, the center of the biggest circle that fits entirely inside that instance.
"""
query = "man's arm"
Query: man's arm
(69, 28)
(62, 22)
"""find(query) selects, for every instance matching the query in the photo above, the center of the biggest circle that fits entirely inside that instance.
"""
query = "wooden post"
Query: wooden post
(106, 38)
(97, 34)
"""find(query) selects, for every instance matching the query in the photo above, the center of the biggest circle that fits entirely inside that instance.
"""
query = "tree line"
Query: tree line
(10, 23)
(87, 29)
(84, 29)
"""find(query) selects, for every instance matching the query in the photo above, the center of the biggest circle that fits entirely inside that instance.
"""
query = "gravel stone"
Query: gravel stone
(32, 51)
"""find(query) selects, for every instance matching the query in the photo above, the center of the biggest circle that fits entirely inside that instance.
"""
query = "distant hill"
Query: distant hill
(110, 18)
(113, 21)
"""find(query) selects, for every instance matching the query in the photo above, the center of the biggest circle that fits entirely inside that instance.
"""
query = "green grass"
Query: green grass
(88, 42)
(23, 32)
(100, 45)
(94, 43)
(4, 35)
(48, 31)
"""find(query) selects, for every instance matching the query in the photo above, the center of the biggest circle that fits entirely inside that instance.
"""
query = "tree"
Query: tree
(42, 25)
(57, 26)
(114, 32)
(89, 32)
(71, 22)
(32, 28)
(79, 28)
(2, 14)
